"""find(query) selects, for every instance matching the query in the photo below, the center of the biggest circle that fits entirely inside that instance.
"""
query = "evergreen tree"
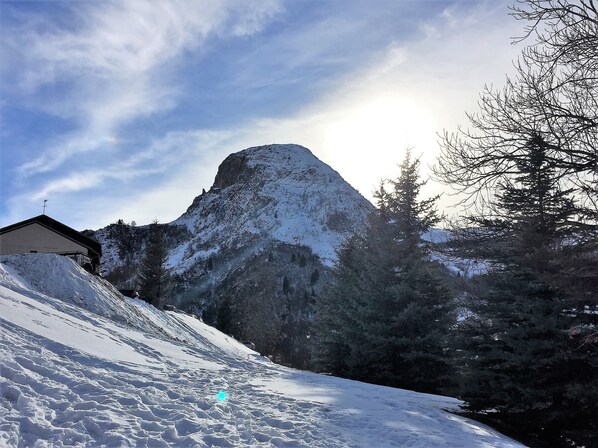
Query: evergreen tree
(335, 320)
(385, 317)
(529, 157)
(154, 275)
(525, 355)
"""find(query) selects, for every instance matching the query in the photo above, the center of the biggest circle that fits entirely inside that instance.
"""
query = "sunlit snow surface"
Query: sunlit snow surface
(71, 377)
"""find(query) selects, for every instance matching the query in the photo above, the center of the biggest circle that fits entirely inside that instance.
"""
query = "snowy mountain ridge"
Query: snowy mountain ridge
(266, 200)
(277, 192)
(253, 254)
(82, 366)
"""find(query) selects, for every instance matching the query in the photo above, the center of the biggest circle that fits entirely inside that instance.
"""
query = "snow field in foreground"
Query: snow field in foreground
(71, 377)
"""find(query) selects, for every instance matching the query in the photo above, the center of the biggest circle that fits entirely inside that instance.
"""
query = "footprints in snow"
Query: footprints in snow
(87, 401)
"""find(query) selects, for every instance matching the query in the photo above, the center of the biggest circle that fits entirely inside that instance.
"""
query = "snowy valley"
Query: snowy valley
(80, 365)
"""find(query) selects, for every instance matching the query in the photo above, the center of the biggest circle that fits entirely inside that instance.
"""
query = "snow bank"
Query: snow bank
(72, 376)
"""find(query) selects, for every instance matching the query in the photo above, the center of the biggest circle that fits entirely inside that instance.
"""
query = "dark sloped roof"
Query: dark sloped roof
(60, 228)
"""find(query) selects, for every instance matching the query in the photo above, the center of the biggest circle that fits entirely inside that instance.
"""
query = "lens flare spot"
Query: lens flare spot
(222, 395)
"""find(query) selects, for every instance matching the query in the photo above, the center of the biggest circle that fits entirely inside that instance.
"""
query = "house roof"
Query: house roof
(60, 228)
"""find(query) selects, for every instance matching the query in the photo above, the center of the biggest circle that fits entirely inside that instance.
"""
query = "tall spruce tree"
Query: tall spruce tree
(526, 355)
(528, 159)
(153, 276)
(385, 317)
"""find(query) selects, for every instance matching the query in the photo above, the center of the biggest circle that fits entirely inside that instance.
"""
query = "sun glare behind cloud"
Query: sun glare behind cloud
(374, 134)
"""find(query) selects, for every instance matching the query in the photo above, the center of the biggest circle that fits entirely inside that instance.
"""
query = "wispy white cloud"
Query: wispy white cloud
(191, 157)
(115, 63)
(404, 95)
(166, 153)
(91, 178)
(119, 39)
(400, 93)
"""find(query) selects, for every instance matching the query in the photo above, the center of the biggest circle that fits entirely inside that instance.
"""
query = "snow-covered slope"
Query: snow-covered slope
(261, 195)
(275, 192)
(457, 265)
(72, 377)
(269, 206)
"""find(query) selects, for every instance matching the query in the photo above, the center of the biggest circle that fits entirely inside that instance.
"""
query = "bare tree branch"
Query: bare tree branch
(554, 94)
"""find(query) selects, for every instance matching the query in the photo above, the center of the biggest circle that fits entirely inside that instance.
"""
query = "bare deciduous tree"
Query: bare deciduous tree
(565, 32)
(554, 94)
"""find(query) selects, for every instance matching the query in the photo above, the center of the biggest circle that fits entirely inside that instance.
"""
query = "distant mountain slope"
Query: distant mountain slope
(71, 377)
(278, 192)
(276, 215)
(274, 193)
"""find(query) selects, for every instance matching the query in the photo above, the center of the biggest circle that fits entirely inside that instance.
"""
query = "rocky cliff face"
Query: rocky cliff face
(273, 193)
(233, 170)
(260, 241)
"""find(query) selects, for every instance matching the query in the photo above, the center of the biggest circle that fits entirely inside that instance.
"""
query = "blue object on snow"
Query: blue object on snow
(222, 395)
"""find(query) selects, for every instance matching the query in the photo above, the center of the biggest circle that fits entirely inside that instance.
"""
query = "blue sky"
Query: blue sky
(125, 109)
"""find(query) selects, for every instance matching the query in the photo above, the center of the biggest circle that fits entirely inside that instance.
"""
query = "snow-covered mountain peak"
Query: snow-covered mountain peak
(277, 193)
(269, 204)
(287, 157)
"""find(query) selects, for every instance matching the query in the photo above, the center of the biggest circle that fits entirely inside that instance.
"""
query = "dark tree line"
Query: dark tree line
(153, 275)
(526, 358)
(527, 355)
(268, 301)
(528, 162)
(385, 318)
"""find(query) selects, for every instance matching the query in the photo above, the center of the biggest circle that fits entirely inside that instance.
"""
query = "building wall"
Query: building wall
(38, 238)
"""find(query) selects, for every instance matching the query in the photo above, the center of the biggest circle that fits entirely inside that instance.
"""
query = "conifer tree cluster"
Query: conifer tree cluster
(385, 317)
(526, 356)
(153, 276)
(528, 161)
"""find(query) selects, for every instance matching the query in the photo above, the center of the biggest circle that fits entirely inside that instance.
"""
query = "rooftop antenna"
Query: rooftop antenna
(44, 211)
